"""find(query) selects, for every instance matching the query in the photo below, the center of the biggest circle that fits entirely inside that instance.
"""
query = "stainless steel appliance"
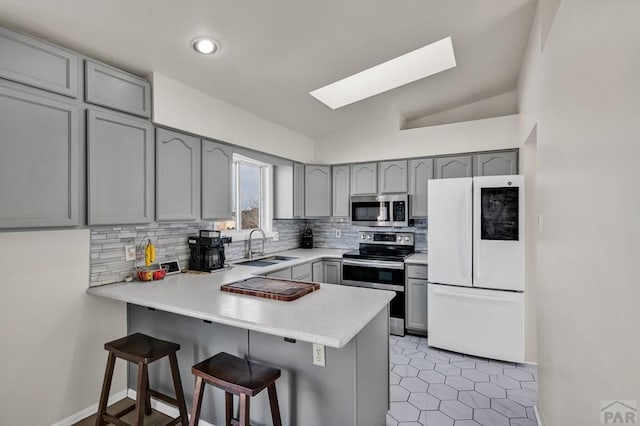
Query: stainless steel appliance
(379, 263)
(380, 210)
(207, 251)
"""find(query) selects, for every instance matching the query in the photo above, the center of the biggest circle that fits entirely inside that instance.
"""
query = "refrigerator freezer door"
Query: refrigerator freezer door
(485, 323)
(498, 232)
(450, 232)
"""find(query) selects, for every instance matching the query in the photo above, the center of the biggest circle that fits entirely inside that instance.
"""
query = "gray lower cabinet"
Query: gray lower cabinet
(112, 88)
(416, 299)
(496, 164)
(454, 167)
(317, 271)
(282, 273)
(177, 176)
(120, 169)
(301, 272)
(364, 179)
(392, 176)
(420, 172)
(39, 161)
(38, 63)
(317, 191)
(341, 191)
(332, 271)
(217, 161)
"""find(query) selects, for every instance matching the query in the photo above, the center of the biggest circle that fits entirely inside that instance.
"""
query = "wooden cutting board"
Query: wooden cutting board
(271, 288)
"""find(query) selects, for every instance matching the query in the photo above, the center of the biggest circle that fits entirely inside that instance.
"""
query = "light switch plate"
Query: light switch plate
(130, 252)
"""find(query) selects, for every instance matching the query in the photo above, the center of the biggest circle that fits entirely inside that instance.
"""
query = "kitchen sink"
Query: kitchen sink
(266, 261)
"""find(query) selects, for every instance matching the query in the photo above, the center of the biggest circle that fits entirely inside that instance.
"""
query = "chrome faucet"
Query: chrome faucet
(250, 250)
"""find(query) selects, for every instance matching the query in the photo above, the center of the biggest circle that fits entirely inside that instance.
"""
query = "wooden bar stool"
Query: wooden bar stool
(142, 350)
(236, 376)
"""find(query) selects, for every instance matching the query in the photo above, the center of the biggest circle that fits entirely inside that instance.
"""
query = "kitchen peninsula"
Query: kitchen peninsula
(351, 322)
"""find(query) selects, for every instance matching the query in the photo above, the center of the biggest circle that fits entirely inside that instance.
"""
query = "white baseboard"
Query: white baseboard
(166, 409)
(89, 411)
(538, 419)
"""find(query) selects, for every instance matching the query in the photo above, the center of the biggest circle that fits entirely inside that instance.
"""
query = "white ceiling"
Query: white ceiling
(275, 52)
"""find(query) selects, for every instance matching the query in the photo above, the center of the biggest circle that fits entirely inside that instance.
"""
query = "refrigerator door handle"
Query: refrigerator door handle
(504, 298)
(467, 212)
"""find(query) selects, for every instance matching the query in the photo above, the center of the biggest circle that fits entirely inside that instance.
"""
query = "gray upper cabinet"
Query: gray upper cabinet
(177, 176)
(288, 189)
(39, 161)
(38, 63)
(392, 176)
(298, 190)
(341, 191)
(420, 171)
(317, 190)
(496, 164)
(454, 167)
(364, 179)
(120, 169)
(112, 88)
(217, 160)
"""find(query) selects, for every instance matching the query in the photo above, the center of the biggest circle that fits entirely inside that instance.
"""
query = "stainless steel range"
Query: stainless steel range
(379, 263)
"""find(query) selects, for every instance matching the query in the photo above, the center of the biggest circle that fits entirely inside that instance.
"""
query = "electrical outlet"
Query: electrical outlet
(276, 236)
(129, 253)
(338, 233)
(318, 355)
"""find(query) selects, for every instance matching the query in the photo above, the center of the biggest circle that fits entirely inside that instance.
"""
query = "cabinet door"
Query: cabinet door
(416, 305)
(496, 164)
(39, 161)
(364, 179)
(317, 191)
(298, 190)
(341, 191)
(217, 160)
(282, 273)
(38, 63)
(177, 176)
(120, 169)
(392, 176)
(317, 271)
(301, 272)
(420, 171)
(453, 167)
(333, 272)
(112, 88)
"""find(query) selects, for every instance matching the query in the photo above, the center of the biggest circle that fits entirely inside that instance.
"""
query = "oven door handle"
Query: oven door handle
(377, 286)
(379, 264)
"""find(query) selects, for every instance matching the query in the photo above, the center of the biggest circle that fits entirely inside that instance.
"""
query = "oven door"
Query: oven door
(379, 275)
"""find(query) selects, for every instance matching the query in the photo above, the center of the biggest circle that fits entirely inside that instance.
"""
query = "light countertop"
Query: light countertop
(331, 316)
(417, 259)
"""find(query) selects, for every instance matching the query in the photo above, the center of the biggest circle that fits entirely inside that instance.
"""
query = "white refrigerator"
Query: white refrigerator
(476, 266)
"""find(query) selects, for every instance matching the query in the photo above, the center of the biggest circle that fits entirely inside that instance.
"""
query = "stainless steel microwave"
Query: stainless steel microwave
(380, 210)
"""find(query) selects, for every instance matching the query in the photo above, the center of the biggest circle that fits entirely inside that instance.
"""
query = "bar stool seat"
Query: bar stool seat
(141, 350)
(236, 376)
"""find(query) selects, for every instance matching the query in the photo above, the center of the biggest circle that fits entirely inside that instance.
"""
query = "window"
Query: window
(250, 189)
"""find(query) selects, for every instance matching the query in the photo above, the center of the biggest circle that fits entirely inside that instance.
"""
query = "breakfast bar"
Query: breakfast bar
(349, 323)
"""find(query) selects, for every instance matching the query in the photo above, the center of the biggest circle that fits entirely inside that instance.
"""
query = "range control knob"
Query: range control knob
(368, 237)
(406, 238)
(399, 238)
(362, 236)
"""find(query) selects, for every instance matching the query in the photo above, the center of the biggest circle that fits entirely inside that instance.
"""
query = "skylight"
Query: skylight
(420, 63)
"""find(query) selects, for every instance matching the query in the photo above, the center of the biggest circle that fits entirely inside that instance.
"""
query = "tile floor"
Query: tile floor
(431, 387)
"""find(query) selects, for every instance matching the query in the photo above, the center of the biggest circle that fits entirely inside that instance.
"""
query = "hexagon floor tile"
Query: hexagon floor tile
(433, 387)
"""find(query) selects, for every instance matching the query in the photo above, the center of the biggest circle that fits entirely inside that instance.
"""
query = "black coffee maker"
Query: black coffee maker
(207, 251)
(307, 238)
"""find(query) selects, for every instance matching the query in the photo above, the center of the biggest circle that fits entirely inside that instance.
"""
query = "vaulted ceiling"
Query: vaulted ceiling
(275, 52)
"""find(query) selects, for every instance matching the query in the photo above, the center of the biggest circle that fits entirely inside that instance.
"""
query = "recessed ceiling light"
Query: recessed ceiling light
(420, 63)
(205, 45)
